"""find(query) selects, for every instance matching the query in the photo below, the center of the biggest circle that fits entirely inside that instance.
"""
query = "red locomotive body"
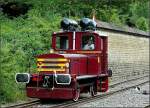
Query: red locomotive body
(70, 68)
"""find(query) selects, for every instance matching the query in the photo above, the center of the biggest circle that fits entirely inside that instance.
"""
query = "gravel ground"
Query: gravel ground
(129, 98)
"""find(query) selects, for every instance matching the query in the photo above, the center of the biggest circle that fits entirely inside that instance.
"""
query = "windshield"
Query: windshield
(62, 42)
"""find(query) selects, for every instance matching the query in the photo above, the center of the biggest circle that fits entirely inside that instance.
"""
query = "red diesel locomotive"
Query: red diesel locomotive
(77, 63)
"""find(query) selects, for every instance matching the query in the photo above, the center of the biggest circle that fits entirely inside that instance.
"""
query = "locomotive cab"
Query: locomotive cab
(78, 63)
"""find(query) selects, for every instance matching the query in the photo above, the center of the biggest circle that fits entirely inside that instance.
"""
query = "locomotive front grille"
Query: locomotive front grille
(57, 65)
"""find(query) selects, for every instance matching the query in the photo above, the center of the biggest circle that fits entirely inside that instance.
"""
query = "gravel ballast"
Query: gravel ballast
(129, 98)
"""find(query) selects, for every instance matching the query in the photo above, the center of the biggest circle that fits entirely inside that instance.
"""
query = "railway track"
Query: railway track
(148, 106)
(24, 105)
(83, 100)
(119, 83)
(91, 99)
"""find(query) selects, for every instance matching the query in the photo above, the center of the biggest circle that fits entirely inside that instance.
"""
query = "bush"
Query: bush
(28, 35)
(21, 40)
(142, 23)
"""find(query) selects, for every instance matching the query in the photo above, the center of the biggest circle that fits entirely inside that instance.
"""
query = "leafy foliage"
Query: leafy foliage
(26, 36)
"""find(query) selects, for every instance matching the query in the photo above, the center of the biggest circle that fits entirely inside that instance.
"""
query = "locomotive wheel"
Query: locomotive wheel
(76, 95)
(93, 91)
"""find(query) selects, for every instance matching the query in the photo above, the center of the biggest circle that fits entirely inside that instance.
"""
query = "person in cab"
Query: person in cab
(89, 45)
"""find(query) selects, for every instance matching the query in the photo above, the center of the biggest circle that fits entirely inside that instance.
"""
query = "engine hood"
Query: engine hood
(50, 56)
(57, 62)
(74, 55)
(62, 56)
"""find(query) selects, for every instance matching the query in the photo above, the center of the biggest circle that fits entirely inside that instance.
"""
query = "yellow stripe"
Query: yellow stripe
(60, 59)
(47, 69)
(44, 64)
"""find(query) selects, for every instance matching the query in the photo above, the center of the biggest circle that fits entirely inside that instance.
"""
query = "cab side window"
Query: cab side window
(62, 42)
(88, 42)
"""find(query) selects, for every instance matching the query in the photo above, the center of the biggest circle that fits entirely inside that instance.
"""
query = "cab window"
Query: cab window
(88, 42)
(62, 42)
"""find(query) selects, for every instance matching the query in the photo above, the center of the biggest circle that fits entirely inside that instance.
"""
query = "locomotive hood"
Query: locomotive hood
(61, 56)
(59, 63)
(74, 56)
(50, 56)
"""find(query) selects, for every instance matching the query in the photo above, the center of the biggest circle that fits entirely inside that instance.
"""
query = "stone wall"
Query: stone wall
(128, 54)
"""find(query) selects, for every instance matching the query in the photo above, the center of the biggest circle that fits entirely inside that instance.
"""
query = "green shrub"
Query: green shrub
(142, 23)
(28, 35)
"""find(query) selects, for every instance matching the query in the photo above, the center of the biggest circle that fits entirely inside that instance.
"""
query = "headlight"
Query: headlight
(22, 77)
(67, 65)
(51, 50)
(64, 79)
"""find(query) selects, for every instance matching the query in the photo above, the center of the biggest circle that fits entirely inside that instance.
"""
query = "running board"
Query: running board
(86, 77)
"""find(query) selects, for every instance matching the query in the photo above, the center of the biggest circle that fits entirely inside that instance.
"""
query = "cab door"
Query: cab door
(102, 47)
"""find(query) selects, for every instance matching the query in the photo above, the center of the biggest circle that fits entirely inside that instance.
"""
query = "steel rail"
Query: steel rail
(91, 99)
(35, 102)
(148, 106)
(24, 105)
(119, 83)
